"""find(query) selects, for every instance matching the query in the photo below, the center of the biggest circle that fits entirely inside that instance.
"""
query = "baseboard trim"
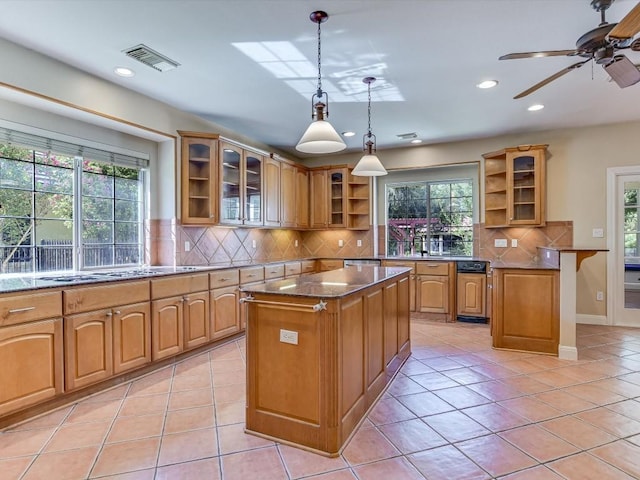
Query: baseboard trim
(567, 353)
(591, 319)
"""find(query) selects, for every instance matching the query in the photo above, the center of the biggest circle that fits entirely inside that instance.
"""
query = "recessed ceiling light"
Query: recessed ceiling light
(536, 107)
(124, 71)
(487, 84)
(348, 134)
(416, 140)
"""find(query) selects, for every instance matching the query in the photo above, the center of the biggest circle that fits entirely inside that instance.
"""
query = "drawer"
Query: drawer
(273, 271)
(29, 307)
(86, 299)
(179, 285)
(292, 268)
(432, 268)
(308, 266)
(400, 263)
(329, 264)
(224, 278)
(252, 274)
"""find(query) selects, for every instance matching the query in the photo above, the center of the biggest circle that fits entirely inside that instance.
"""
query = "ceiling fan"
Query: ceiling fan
(600, 45)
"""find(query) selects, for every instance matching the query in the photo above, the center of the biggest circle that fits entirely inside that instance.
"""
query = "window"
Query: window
(430, 218)
(64, 212)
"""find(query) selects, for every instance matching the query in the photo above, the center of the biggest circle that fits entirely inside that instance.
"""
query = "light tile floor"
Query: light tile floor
(458, 410)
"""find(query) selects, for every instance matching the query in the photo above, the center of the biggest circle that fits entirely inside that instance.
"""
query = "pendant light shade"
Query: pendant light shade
(320, 137)
(369, 165)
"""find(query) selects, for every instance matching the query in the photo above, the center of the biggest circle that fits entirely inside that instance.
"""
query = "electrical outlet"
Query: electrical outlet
(358, 243)
(599, 296)
(295, 243)
(288, 336)
(254, 243)
(500, 242)
(597, 233)
(514, 242)
(187, 246)
(341, 243)
(548, 254)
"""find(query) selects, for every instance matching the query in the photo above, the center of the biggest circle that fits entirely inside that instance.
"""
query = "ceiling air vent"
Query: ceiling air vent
(407, 136)
(150, 57)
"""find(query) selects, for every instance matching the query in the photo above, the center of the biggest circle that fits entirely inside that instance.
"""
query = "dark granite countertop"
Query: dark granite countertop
(332, 284)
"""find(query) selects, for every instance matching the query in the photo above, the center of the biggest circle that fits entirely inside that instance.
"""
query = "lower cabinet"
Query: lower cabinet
(131, 337)
(31, 356)
(88, 348)
(526, 309)
(225, 312)
(471, 294)
(411, 281)
(196, 319)
(166, 323)
(433, 294)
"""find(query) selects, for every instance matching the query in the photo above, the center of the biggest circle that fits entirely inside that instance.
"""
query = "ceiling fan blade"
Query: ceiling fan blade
(629, 25)
(550, 79)
(548, 53)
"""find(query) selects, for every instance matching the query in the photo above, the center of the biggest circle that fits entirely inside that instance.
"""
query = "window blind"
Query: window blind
(30, 140)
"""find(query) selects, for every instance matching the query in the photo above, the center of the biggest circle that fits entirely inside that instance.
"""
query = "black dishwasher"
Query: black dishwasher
(471, 292)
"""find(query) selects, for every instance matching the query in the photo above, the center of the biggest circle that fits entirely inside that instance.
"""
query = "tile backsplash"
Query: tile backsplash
(226, 245)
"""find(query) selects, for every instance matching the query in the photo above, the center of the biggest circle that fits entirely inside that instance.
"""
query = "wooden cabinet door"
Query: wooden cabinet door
(302, 198)
(131, 336)
(196, 319)
(404, 316)
(471, 294)
(272, 192)
(433, 292)
(318, 199)
(287, 195)
(199, 180)
(225, 312)
(167, 327)
(525, 171)
(88, 348)
(31, 356)
(337, 179)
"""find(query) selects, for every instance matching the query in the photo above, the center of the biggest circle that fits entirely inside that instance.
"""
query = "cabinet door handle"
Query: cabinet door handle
(117, 312)
(21, 310)
(109, 314)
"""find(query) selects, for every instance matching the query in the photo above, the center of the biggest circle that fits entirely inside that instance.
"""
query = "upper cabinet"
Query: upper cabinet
(272, 193)
(339, 199)
(514, 188)
(288, 174)
(241, 194)
(199, 178)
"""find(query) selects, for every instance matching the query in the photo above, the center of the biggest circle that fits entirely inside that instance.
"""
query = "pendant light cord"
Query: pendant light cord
(369, 109)
(319, 93)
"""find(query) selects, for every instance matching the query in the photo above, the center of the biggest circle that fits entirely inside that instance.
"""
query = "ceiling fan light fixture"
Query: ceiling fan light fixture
(320, 137)
(623, 71)
(369, 165)
(535, 107)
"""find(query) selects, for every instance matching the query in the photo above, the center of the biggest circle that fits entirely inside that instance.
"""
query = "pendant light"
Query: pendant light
(320, 137)
(369, 165)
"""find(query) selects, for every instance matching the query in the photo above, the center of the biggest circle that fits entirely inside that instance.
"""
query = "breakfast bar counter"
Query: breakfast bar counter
(321, 349)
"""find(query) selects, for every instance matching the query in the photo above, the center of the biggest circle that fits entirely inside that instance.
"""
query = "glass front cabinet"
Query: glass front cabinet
(240, 186)
(514, 187)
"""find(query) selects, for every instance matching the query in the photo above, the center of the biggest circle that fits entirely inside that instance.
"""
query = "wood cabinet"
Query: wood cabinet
(514, 188)
(302, 198)
(326, 264)
(179, 314)
(131, 336)
(288, 210)
(411, 280)
(199, 178)
(307, 266)
(88, 348)
(97, 324)
(339, 199)
(358, 204)
(434, 292)
(471, 294)
(224, 303)
(241, 185)
(31, 355)
(526, 309)
(292, 269)
(272, 169)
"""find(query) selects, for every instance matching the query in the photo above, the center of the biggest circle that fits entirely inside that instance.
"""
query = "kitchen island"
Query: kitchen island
(321, 349)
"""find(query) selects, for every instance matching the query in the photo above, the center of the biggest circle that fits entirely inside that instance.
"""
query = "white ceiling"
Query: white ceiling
(431, 52)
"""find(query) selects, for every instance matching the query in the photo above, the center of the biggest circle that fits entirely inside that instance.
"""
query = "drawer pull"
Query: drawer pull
(21, 310)
(223, 279)
(251, 275)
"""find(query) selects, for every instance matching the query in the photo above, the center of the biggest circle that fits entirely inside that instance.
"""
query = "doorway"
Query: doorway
(623, 261)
